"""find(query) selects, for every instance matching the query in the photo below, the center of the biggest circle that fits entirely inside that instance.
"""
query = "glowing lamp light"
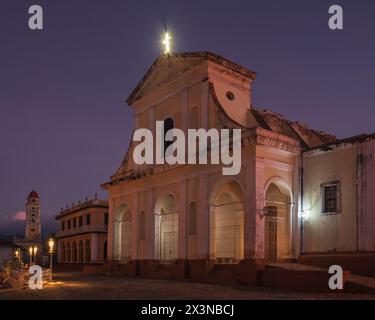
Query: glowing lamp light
(31, 255)
(51, 245)
(305, 214)
(167, 43)
(35, 250)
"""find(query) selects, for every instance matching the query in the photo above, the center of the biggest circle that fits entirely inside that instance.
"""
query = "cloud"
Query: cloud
(12, 222)
(19, 216)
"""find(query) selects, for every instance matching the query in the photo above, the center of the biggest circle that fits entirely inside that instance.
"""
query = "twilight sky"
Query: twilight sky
(64, 122)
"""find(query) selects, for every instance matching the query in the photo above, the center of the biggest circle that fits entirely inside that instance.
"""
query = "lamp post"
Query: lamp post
(17, 255)
(35, 251)
(51, 244)
(31, 255)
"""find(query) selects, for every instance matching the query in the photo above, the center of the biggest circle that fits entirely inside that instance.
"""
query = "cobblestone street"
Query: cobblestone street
(79, 286)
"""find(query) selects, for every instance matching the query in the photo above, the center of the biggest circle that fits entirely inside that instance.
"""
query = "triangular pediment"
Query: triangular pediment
(168, 67)
(165, 69)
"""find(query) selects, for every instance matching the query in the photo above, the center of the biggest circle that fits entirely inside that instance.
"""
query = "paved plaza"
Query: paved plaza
(74, 285)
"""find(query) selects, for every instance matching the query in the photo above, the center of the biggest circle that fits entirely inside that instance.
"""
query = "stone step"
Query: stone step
(223, 274)
(293, 266)
(292, 279)
(360, 284)
(221, 277)
(354, 283)
(226, 282)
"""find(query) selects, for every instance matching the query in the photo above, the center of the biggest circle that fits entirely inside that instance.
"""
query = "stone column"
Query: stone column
(204, 104)
(152, 127)
(185, 116)
(296, 223)
(259, 205)
(249, 231)
(151, 119)
(134, 234)
(182, 219)
(203, 219)
(184, 109)
(94, 247)
(150, 224)
(111, 222)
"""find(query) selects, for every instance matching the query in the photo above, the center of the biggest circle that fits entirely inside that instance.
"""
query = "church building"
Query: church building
(300, 195)
(32, 242)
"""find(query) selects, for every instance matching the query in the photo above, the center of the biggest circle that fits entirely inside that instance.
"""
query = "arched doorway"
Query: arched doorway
(227, 223)
(80, 251)
(122, 233)
(166, 228)
(277, 222)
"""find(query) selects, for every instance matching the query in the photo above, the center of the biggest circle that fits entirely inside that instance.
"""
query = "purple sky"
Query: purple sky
(64, 123)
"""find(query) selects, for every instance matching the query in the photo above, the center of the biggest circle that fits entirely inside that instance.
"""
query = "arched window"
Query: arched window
(74, 258)
(80, 251)
(142, 225)
(122, 233)
(69, 253)
(192, 218)
(166, 228)
(194, 118)
(87, 251)
(63, 252)
(227, 223)
(168, 125)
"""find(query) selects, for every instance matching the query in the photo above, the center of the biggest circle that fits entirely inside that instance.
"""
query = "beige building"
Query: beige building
(338, 201)
(82, 235)
(184, 220)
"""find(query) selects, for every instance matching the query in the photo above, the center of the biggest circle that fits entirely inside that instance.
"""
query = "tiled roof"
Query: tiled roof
(275, 122)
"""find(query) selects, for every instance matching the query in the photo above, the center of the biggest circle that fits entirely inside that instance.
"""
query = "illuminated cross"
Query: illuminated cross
(167, 43)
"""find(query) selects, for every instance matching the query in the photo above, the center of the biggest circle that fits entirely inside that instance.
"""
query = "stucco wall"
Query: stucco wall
(330, 232)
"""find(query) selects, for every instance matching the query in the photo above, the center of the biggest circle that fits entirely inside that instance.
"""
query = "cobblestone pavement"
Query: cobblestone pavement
(81, 286)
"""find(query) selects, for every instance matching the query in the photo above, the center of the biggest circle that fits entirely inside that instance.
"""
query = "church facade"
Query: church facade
(294, 196)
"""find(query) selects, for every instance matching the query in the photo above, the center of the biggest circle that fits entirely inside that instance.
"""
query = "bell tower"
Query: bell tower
(33, 225)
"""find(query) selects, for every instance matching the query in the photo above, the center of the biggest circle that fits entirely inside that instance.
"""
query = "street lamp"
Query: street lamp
(17, 254)
(35, 251)
(51, 245)
(31, 255)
